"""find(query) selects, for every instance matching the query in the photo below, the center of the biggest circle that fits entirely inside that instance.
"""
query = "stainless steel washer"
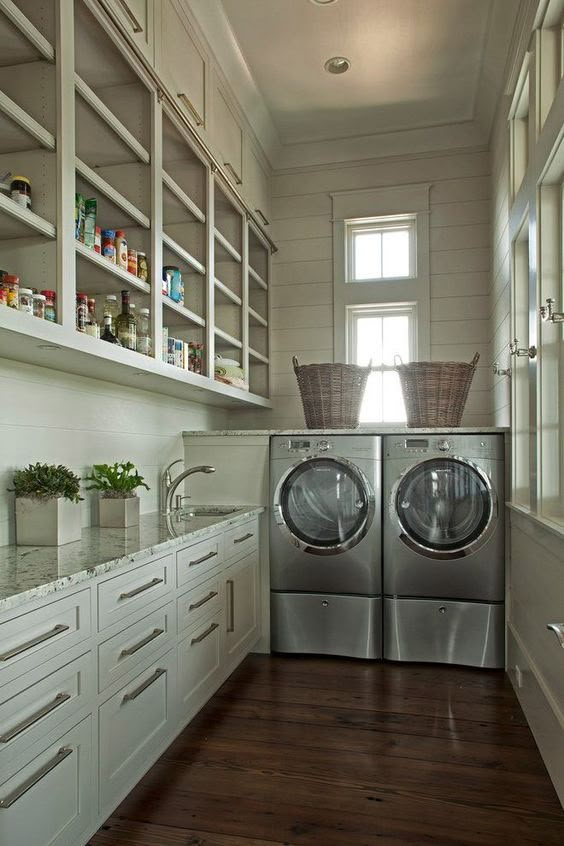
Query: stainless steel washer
(444, 549)
(325, 545)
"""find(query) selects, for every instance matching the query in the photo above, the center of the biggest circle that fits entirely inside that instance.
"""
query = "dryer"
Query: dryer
(325, 545)
(443, 558)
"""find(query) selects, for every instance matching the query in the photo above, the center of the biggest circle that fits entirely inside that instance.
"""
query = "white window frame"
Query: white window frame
(380, 224)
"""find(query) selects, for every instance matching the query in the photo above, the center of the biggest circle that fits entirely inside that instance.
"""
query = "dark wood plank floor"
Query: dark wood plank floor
(303, 751)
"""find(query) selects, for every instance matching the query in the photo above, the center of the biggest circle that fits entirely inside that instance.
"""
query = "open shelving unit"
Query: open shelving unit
(124, 146)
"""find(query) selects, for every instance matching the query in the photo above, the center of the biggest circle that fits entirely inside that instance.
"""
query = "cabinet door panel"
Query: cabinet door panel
(199, 665)
(228, 137)
(137, 17)
(241, 582)
(183, 64)
(125, 594)
(256, 185)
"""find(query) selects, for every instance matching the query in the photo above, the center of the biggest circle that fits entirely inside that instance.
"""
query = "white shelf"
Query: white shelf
(17, 222)
(183, 197)
(16, 49)
(258, 279)
(226, 245)
(103, 277)
(256, 318)
(231, 341)
(24, 121)
(114, 196)
(227, 292)
(182, 312)
(258, 356)
(175, 248)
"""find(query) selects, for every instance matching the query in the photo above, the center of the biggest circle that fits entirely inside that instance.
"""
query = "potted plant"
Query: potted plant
(48, 509)
(119, 503)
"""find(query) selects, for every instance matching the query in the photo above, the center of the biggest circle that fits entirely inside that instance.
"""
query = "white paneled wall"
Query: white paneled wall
(302, 293)
(61, 419)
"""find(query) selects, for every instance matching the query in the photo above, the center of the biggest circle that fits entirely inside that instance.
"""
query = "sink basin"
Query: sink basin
(212, 510)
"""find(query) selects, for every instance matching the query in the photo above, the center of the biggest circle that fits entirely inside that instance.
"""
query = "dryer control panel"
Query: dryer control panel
(346, 446)
(468, 446)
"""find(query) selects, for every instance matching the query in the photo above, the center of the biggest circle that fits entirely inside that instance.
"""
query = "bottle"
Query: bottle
(92, 327)
(107, 334)
(144, 340)
(81, 312)
(125, 324)
(111, 308)
(121, 249)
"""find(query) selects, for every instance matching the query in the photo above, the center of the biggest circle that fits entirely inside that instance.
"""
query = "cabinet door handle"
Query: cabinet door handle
(34, 718)
(131, 650)
(203, 601)
(139, 590)
(29, 644)
(204, 635)
(133, 20)
(202, 559)
(198, 120)
(231, 619)
(233, 172)
(558, 629)
(30, 782)
(244, 538)
(129, 697)
(264, 218)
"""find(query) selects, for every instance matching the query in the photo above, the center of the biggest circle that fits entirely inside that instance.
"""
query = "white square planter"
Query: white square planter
(47, 522)
(119, 513)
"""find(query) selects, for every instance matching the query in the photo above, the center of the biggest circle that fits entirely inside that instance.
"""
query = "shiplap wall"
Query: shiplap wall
(302, 285)
(57, 418)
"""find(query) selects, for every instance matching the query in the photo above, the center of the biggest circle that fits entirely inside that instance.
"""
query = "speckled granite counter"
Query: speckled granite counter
(29, 572)
(392, 430)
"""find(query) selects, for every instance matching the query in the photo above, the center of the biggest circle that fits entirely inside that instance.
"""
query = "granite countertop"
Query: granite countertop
(29, 572)
(393, 430)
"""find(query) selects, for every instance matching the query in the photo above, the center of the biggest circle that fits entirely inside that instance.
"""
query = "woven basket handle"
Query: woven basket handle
(398, 361)
(296, 363)
(475, 360)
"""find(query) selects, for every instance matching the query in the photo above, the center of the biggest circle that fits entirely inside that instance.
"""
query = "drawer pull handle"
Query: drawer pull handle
(202, 559)
(138, 590)
(198, 120)
(204, 635)
(203, 601)
(558, 629)
(264, 218)
(129, 697)
(29, 644)
(233, 172)
(244, 538)
(131, 650)
(133, 20)
(231, 618)
(34, 718)
(30, 782)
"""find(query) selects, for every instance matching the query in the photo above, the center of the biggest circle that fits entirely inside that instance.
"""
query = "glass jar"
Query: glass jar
(50, 305)
(81, 312)
(12, 286)
(132, 262)
(39, 305)
(142, 266)
(20, 191)
(25, 300)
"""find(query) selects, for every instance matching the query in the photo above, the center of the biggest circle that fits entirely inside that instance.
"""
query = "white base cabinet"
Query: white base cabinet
(242, 619)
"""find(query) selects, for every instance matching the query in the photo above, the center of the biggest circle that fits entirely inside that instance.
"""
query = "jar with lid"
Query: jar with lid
(144, 341)
(20, 191)
(132, 262)
(12, 286)
(39, 305)
(50, 305)
(25, 300)
(142, 266)
(121, 249)
(81, 312)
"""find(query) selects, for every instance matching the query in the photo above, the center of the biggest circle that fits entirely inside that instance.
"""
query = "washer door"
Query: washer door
(324, 505)
(445, 507)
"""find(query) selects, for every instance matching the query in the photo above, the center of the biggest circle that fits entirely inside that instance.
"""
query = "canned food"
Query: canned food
(109, 244)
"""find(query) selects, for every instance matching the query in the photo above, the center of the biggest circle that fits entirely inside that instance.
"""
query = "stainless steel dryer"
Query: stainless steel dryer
(444, 549)
(325, 545)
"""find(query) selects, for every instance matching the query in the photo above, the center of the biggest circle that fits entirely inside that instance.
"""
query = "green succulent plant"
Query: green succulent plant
(46, 481)
(115, 481)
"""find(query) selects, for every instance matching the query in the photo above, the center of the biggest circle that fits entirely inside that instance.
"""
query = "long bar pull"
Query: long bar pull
(59, 699)
(263, 217)
(203, 601)
(231, 620)
(244, 538)
(202, 559)
(233, 172)
(558, 629)
(131, 650)
(133, 20)
(198, 120)
(30, 782)
(129, 697)
(139, 590)
(29, 644)
(204, 634)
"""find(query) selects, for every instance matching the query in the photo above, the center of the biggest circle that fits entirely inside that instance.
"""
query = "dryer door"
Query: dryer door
(324, 505)
(445, 507)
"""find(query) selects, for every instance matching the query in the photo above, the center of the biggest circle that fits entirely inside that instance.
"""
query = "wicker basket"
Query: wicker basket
(331, 393)
(435, 392)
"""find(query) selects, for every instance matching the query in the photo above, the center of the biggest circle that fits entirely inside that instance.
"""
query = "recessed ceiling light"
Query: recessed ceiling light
(322, 2)
(338, 64)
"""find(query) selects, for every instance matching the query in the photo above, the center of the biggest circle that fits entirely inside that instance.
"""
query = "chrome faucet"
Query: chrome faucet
(172, 486)
(166, 481)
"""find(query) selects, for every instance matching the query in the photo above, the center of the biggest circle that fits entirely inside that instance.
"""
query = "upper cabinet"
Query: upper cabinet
(256, 184)
(182, 63)
(227, 136)
(138, 20)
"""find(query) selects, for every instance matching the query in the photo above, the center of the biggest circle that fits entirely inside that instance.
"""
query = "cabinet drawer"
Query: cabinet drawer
(241, 540)
(199, 559)
(199, 664)
(31, 639)
(48, 800)
(134, 645)
(199, 602)
(29, 714)
(134, 724)
(135, 589)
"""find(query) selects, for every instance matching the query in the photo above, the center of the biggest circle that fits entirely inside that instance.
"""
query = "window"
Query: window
(378, 333)
(380, 248)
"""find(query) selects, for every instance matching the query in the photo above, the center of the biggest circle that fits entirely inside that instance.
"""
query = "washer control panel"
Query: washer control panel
(309, 445)
(469, 446)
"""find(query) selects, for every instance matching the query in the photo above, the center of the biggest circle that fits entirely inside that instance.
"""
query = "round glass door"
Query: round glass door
(326, 504)
(444, 505)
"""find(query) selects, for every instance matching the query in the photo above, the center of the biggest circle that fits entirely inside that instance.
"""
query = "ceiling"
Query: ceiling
(414, 63)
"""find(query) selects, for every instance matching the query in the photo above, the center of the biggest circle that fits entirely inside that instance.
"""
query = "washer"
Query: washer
(325, 545)
(444, 549)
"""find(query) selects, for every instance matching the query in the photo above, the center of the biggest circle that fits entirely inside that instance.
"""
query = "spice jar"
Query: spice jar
(39, 306)
(12, 286)
(142, 267)
(81, 312)
(20, 191)
(50, 305)
(132, 262)
(25, 300)
(109, 244)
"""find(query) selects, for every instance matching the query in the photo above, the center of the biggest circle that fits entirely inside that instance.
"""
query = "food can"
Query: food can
(109, 244)
(176, 289)
(132, 262)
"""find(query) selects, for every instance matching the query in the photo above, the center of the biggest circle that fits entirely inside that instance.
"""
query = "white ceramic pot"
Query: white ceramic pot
(47, 522)
(119, 513)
